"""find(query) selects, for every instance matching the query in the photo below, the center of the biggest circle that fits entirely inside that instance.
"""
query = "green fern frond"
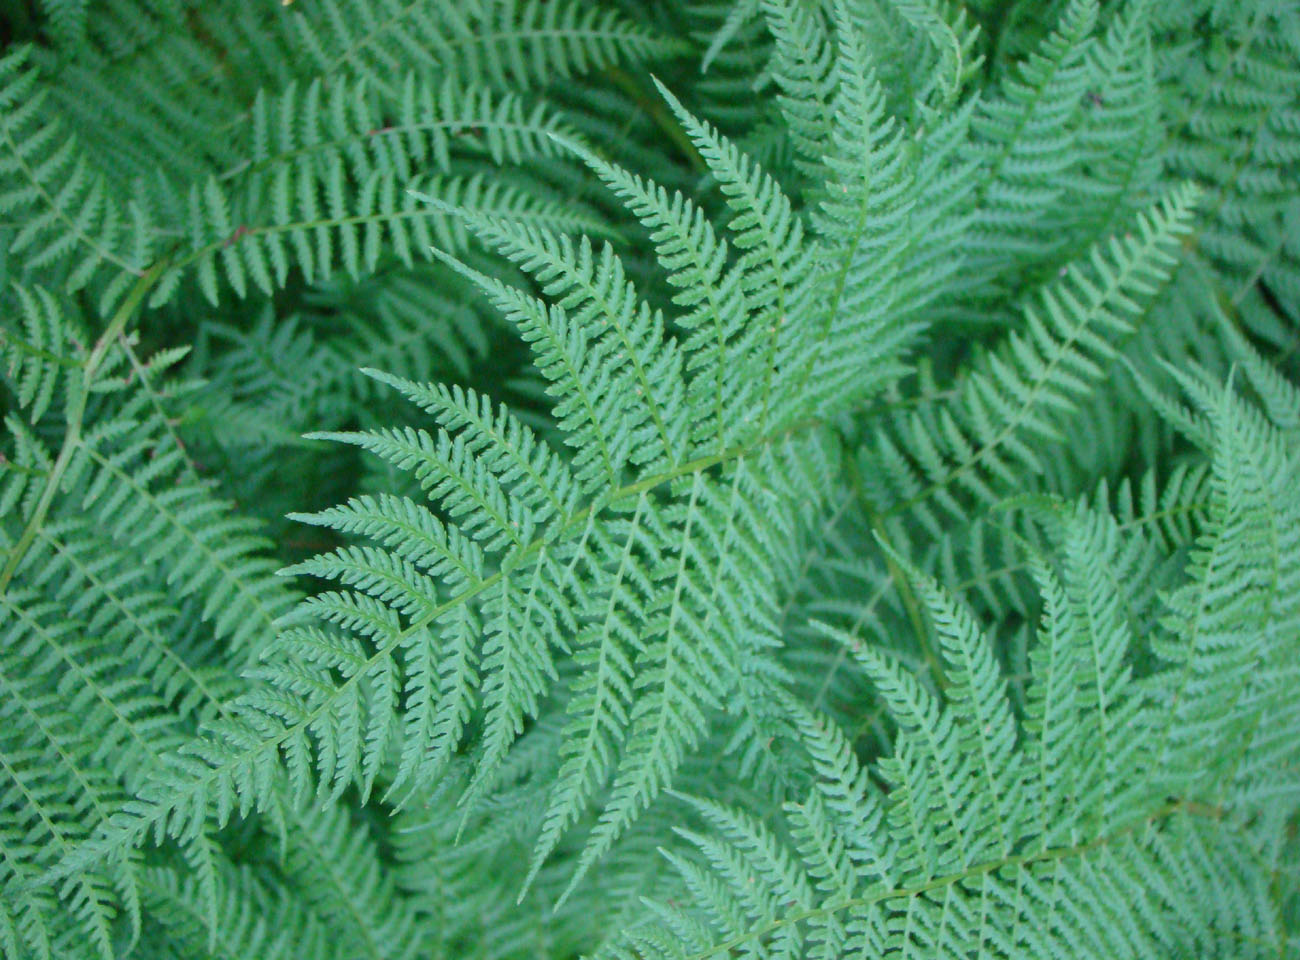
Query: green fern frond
(357, 898)
(37, 358)
(311, 150)
(592, 291)
(253, 918)
(802, 67)
(1118, 135)
(773, 559)
(1025, 150)
(717, 305)
(70, 216)
(1236, 133)
(776, 266)
(705, 540)
(1013, 402)
(67, 19)
(1230, 625)
(1018, 825)
(507, 44)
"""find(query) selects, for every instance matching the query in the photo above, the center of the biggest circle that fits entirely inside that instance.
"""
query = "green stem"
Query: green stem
(76, 411)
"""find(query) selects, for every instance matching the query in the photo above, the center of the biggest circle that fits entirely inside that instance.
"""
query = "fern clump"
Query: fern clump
(775, 478)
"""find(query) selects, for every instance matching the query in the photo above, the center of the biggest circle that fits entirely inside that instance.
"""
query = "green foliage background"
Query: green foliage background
(556, 478)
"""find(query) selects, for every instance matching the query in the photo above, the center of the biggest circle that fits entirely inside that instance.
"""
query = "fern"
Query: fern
(1036, 376)
(505, 44)
(1015, 829)
(65, 209)
(519, 478)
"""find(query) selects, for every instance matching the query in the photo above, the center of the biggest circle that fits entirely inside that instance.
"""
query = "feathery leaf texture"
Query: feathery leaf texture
(987, 834)
(553, 478)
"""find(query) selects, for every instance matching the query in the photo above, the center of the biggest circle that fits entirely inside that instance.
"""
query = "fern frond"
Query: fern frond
(1232, 622)
(518, 44)
(885, 251)
(336, 869)
(329, 170)
(923, 51)
(1236, 132)
(1019, 841)
(1118, 134)
(700, 544)
(70, 215)
(52, 782)
(254, 918)
(771, 559)
(1025, 150)
(96, 661)
(696, 259)
(777, 267)
(67, 20)
(1015, 401)
(205, 550)
(593, 292)
(38, 357)
(802, 67)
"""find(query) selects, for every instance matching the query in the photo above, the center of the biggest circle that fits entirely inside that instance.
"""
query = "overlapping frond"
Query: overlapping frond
(663, 554)
(332, 173)
(1026, 154)
(1234, 625)
(119, 552)
(891, 217)
(71, 220)
(464, 493)
(1068, 829)
(254, 918)
(37, 351)
(1236, 132)
(518, 44)
(985, 438)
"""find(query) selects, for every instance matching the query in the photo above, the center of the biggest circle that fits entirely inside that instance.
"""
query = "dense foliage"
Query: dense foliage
(708, 478)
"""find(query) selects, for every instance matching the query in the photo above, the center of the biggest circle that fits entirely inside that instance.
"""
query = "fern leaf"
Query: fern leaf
(1038, 376)
(39, 357)
(588, 413)
(696, 259)
(593, 291)
(1231, 621)
(985, 877)
(512, 44)
(776, 266)
(69, 213)
(1026, 148)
